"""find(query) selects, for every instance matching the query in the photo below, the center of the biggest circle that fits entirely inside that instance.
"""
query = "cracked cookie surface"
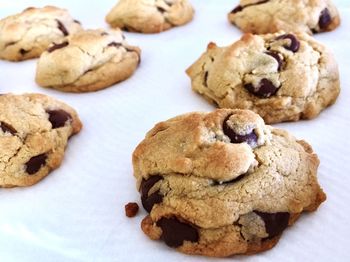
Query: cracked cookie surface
(34, 130)
(150, 16)
(223, 183)
(26, 35)
(87, 61)
(282, 77)
(270, 16)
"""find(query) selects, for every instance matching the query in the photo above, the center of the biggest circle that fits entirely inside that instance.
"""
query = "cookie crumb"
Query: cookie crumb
(131, 209)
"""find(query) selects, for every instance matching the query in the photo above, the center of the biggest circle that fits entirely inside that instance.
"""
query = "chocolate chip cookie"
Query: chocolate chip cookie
(87, 61)
(223, 183)
(28, 34)
(282, 77)
(34, 130)
(270, 16)
(150, 16)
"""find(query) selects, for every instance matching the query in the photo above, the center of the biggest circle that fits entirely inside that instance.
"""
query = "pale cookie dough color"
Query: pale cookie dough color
(150, 16)
(282, 77)
(28, 34)
(87, 61)
(34, 130)
(270, 16)
(223, 183)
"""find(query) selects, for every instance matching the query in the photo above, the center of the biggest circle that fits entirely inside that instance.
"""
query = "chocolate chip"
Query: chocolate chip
(294, 43)
(161, 10)
(7, 128)
(325, 19)
(77, 22)
(176, 232)
(58, 118)
(115, 44)
(23, 51)
(62, 28)
(275, 223)
(126, 29)
(148, 201)
(104, 33)
(57, 46)
(205, 78)
(237, 9)
(35, 163)
(265, 88)
(131, 209)
(251, 138)
(276, 55)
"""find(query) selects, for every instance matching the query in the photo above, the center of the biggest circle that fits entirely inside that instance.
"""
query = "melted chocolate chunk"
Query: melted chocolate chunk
(35, 163)
(176, 232)
(251, 138)
(57, 46)
(265, 89)
(58, 118)
(62, 28)
(239, 8)
(275, 223)
(7, 128)
(148, 201)
(294, 43)
(325, 19)
(276, 55)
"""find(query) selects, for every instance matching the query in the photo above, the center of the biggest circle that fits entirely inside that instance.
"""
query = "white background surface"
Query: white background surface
(77, 212)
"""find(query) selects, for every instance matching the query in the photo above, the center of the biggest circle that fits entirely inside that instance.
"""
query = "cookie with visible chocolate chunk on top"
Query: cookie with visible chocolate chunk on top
(26, 35)
(223, 183)
(88, 61)
(270, 16)
(34, 131)
(146, 16)
(280, 76)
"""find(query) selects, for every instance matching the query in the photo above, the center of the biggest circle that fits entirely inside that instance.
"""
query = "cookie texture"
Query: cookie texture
(270, 16)
(34, 130)
(282, 77)
(223, 183)
(26, 35)
(150, 16)
(87, 61)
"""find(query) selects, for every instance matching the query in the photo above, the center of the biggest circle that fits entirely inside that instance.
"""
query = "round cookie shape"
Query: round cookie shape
(270, 16)
(209, 194)
(88, 61)
(282, 77)
(34, 132)
(150, 16)
(26, 35)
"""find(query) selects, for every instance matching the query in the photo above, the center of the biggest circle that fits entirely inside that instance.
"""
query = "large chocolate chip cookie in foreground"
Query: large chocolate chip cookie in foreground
(223, 183)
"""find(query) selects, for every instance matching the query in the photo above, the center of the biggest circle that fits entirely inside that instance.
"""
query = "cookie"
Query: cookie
(261, 17)
(150, 16)
(87, 61)
(270, 16)
(28, 34)
(282, 77)
(223, 183)
(34, 130)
